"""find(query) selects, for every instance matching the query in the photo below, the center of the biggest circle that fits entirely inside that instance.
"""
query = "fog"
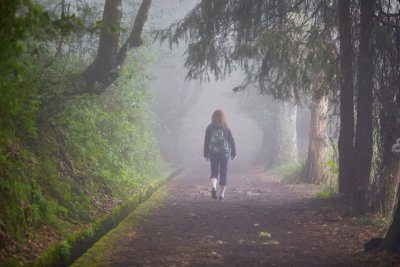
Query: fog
(183, 107)
(246, 132)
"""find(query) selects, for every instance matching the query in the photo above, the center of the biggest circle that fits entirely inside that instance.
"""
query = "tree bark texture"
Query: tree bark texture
(346, 134)
(363, 138)
(314, 169)
(105, 68)
(387, 167)
(284, 135)
(135, 38)
(388, 178)
(387, 119)
(108, 43)
(392, 239)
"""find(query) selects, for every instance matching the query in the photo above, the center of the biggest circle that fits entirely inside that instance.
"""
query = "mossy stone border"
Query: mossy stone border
(98, 254)
(66, 252)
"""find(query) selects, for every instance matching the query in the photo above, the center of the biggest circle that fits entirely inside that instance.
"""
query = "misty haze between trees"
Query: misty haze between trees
(101, 98)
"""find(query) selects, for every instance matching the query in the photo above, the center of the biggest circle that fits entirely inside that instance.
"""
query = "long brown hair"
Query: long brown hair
(219, 119)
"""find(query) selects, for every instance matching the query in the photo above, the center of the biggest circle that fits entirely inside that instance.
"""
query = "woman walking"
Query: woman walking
(218, 145)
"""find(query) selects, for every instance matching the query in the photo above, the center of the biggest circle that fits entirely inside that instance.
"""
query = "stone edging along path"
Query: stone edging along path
(94, 256)
(66, 252)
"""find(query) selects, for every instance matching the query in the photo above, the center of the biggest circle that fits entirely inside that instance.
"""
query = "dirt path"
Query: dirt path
(261, 223)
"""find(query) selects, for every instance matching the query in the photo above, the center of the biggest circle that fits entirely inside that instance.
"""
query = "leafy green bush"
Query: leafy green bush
(65, 161)
(64, 153)
(331, 170)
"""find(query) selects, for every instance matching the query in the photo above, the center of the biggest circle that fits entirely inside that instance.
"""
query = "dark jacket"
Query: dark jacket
(228, 136)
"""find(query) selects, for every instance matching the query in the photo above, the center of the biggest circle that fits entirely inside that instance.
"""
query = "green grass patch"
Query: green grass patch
(330, 190)
(374, 221)
(326, 194)
(289, 172)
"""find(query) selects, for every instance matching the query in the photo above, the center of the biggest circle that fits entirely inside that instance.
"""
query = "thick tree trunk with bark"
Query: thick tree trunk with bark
(108, 43)
(346, 135)
(314, 169)
(105, 68)
(389, 177)
(386, 174)
(363, 140)
(386, 119)
(392, 238)
(284, 135)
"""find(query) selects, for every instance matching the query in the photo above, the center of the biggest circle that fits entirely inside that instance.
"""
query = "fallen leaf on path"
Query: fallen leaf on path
(216, 254)
(271, 242)
(264, 234)
(252, 194)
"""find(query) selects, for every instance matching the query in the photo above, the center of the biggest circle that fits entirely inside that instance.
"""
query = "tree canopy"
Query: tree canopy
(285, 47)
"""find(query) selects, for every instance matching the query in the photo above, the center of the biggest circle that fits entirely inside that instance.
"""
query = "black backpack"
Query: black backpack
(218, 142)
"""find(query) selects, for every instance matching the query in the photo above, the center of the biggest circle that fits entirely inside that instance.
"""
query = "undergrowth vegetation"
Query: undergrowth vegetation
(289, 171)
(330, 182)
(65, 161)
(70, 159)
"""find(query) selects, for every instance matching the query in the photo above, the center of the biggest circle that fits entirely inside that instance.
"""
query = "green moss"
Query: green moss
(60, 157)
(59, 154)
(94, 256)
(66, 252)
(10, 262)
(326, 194)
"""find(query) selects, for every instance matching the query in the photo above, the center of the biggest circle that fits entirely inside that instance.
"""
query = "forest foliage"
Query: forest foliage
(64, 160)
(76, 131)
(305, 51)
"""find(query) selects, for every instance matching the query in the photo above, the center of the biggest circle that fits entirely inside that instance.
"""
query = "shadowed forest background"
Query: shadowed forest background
(100, 99)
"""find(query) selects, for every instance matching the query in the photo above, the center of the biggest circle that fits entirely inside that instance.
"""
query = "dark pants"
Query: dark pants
(219, 163)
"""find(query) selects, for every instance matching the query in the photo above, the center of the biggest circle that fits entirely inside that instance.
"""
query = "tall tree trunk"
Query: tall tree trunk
(135, 38)
(105, 68)
(386, 117)
(314, 169)
(284, 135)
(346, 135)
(363, 140)
(108, 43)
(392, 238)
(386, 161)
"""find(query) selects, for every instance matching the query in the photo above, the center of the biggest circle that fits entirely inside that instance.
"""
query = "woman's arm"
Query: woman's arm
(206, 142)
(232, 144)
